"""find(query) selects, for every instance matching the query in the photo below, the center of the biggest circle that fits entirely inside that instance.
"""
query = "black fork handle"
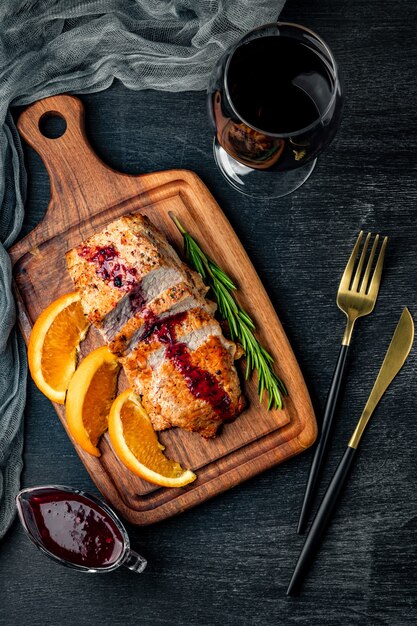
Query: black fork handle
(328, 420)
(322, 519)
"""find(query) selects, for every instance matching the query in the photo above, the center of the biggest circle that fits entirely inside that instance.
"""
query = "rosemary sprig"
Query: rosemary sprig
(241, 326)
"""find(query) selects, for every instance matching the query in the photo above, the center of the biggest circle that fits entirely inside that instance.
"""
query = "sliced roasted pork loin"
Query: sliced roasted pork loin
(151, 310)
(120, 269)
(185, 375)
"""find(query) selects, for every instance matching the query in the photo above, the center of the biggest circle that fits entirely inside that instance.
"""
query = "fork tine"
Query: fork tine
(347, 274)
(376, 278)
(365, 280)
(360, 264)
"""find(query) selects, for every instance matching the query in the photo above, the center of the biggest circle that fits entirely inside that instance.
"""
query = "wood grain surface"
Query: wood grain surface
(85, 196)
(228, 561)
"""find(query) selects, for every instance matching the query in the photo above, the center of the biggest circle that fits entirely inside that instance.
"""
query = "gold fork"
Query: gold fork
(356, 297)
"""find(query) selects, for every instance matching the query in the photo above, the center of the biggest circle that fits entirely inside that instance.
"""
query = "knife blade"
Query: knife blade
(397, 352)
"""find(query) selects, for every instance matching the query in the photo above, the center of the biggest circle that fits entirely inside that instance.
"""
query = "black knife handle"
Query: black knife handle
(328, 419)
(321, 520)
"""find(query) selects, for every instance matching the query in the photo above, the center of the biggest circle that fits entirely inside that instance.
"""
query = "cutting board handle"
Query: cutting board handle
(72, 165)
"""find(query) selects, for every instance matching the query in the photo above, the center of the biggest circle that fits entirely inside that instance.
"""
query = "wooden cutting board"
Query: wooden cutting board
(86, 194)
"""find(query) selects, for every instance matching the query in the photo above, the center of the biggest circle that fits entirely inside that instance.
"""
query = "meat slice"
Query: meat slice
(131, 330)
(124, 267)
(185, 375)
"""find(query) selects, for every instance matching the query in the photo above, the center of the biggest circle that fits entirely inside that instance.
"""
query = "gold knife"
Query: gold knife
(395, 357)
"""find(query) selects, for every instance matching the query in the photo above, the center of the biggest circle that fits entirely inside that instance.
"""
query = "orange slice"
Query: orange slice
(90, 394)
(136, 444)
(54, 343)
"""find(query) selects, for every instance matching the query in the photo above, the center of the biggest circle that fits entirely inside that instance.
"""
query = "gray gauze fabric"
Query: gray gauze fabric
(50, 47)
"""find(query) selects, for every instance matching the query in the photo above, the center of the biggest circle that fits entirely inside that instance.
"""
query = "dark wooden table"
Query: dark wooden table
(229, 561)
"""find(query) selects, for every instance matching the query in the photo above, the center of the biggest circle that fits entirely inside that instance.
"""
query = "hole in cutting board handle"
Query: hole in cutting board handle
(52, 125)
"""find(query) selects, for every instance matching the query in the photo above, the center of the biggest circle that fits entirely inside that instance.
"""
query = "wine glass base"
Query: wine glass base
(260, 183)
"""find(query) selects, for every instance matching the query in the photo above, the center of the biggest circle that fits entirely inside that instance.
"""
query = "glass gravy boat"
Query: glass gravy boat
(76, 529)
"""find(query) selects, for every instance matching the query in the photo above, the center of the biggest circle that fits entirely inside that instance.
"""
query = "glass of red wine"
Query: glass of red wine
(275, 102)
(76, 529)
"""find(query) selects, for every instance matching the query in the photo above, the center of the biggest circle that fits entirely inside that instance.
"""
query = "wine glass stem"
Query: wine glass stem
(135, 562)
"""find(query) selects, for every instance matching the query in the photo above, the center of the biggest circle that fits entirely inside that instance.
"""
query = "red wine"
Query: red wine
(275, 101)
(72, 527)
(278, 84)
